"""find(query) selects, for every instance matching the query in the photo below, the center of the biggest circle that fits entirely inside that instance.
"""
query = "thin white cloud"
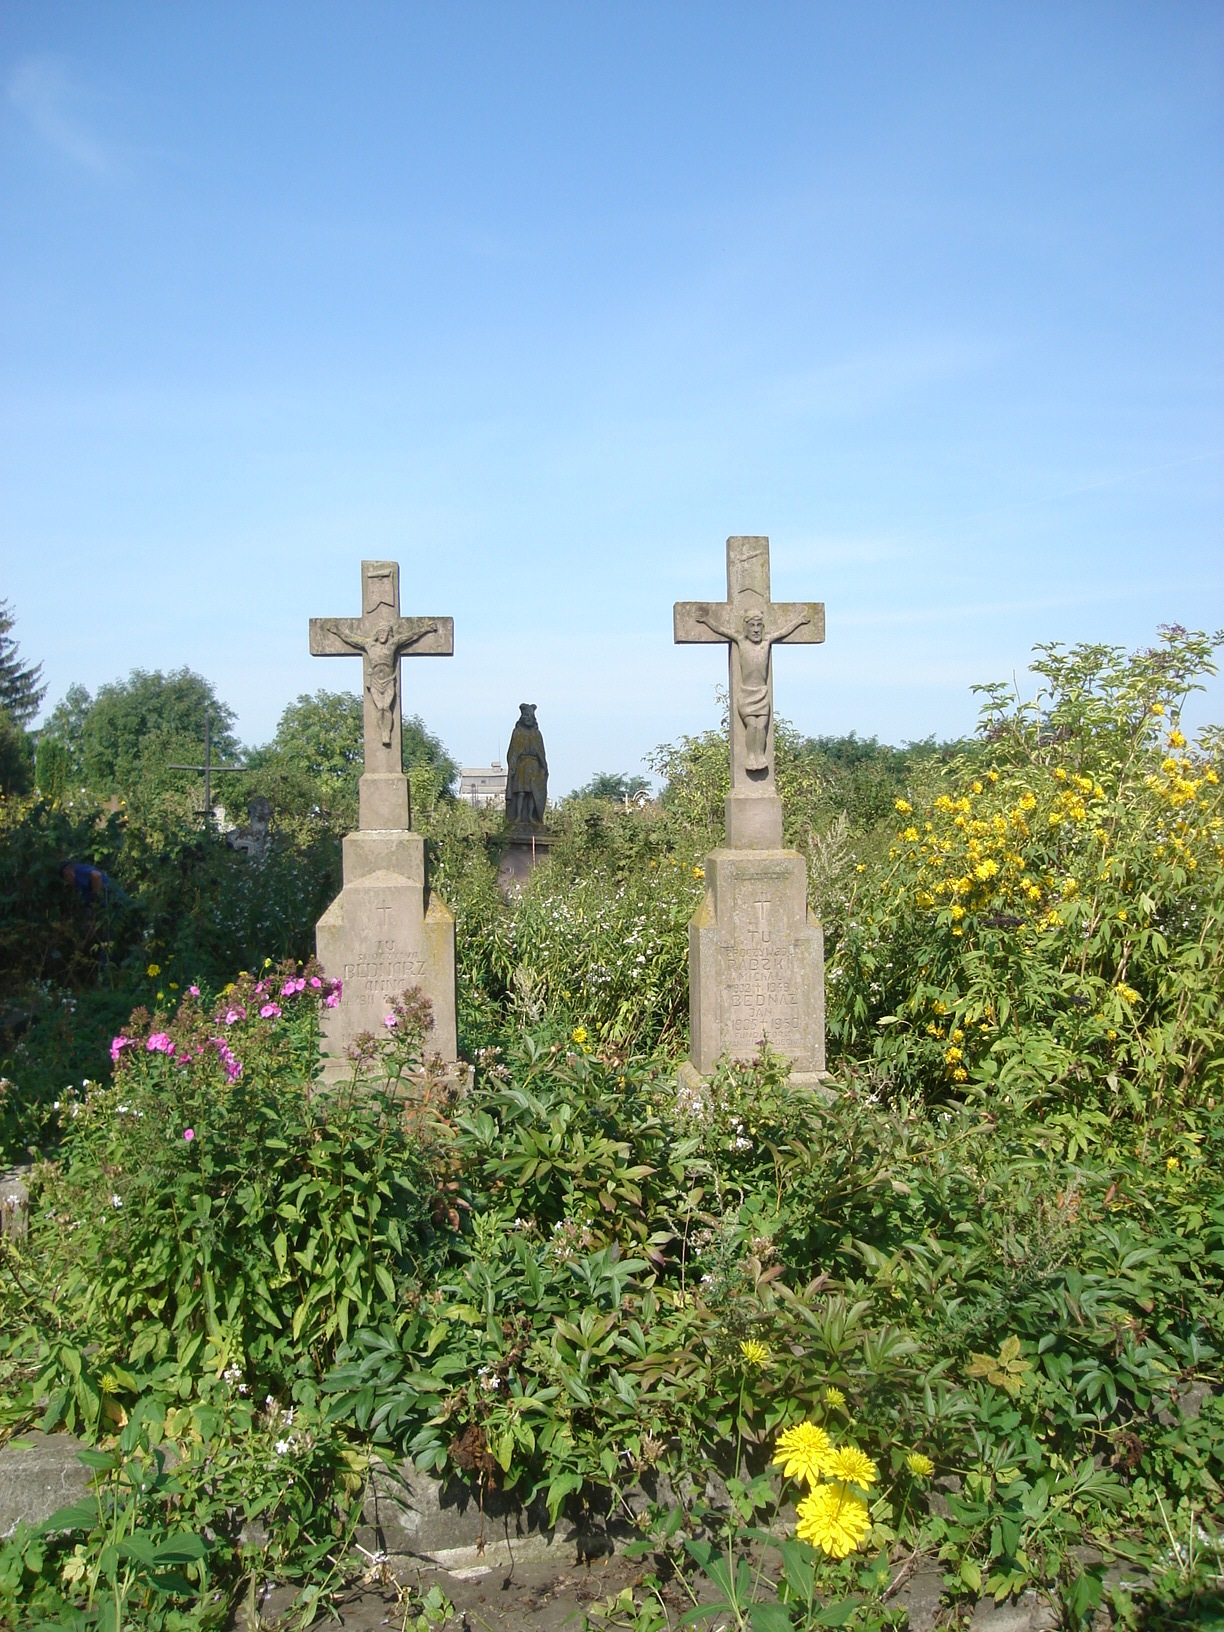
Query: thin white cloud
(41, 90)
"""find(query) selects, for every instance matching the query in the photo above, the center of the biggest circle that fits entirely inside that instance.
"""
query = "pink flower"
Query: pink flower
(118, 1044)
(232, 1016)
(194, 990)
(333, 1000)
(270, 1011)
(292, 986)
(262, 986)
(189, 1134)
(159, 1043)
(233, 1066)
(390, 1022)
(316, 982)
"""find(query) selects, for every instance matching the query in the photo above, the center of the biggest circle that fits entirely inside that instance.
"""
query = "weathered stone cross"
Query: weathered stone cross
(381, 637)
(751, 625)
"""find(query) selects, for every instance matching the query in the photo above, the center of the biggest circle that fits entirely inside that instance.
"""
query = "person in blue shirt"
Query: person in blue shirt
(93, 885)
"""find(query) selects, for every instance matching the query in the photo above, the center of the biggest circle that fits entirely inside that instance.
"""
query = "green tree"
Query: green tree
(615, 785)
(136, 727)
(16, 756)
(20, 692)
(423, 751)
(319, 745)
(53, 768)
(65, 725)
(320, 737)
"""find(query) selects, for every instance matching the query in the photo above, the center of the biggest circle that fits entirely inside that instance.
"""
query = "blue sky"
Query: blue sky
(545, 300)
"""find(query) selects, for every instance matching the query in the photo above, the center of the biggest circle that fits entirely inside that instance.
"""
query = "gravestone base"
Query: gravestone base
(519, 851)
(379, 937)
(756, 964)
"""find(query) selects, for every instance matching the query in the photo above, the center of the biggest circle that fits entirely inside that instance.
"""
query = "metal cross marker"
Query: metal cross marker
(380, 637)
(751, 625)
(209, 769)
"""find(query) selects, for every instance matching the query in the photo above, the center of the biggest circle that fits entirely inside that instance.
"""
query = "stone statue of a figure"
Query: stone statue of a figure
(753, 638)
(526, 771)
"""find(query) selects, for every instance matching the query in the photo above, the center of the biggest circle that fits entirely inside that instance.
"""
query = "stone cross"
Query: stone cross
(380, 637)
(751, 625)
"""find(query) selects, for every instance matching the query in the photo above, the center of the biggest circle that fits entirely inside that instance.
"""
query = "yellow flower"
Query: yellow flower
(754, 1353)
(910, 835)
(698, 872)
(977, 787)
(952, 1055)
(1157, 708)
(833, 1519)
(803, 1452)
(835, 1398)
(992, 776)
(267, 963)
(579, 1035)
(1128, 994)
(153, 971)
(1172, 1163)
(1121, 915)
(174, 985)
(853, 1466)
(1060, 775)
(920, 1466)
(1176, 740)
(1028, 801)
(902, 807)
(958, 912)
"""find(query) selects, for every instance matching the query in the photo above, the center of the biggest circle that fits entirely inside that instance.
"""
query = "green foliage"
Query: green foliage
(1052, 926)
(65, 725)
(16, 757)
(613, 785)
(20, 692)
(318, 752)
(134, 728)
(991, 1256)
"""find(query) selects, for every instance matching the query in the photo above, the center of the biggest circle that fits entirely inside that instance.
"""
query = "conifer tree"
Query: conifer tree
(20, 692)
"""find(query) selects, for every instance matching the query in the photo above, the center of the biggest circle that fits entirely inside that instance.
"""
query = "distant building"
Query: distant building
(483, 785)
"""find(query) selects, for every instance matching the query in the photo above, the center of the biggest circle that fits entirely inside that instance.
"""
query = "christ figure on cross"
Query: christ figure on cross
(753, 660)
(380, 637)
(382, 644)
(752, 624)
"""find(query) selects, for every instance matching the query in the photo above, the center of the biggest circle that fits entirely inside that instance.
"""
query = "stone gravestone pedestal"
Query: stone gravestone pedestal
(381, 935)
(756, 952)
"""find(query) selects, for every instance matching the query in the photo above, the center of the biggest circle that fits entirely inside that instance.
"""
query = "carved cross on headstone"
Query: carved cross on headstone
(752, 625)
(380, 637)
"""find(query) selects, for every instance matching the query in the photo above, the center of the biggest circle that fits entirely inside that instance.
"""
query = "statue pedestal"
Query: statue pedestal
(519, 851)
(379, 937)
(756, 964)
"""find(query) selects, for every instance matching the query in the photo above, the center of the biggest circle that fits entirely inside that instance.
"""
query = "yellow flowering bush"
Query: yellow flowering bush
(1055, 919)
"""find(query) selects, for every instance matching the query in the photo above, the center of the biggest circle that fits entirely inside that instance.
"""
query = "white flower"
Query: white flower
(281, 1446)
(116, 1201)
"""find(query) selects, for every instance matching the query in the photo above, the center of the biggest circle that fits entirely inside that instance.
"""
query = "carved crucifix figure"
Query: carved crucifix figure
(381, 637)
(752, 625)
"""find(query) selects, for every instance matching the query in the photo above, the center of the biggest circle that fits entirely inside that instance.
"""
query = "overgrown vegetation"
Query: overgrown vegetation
(991, 1269)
